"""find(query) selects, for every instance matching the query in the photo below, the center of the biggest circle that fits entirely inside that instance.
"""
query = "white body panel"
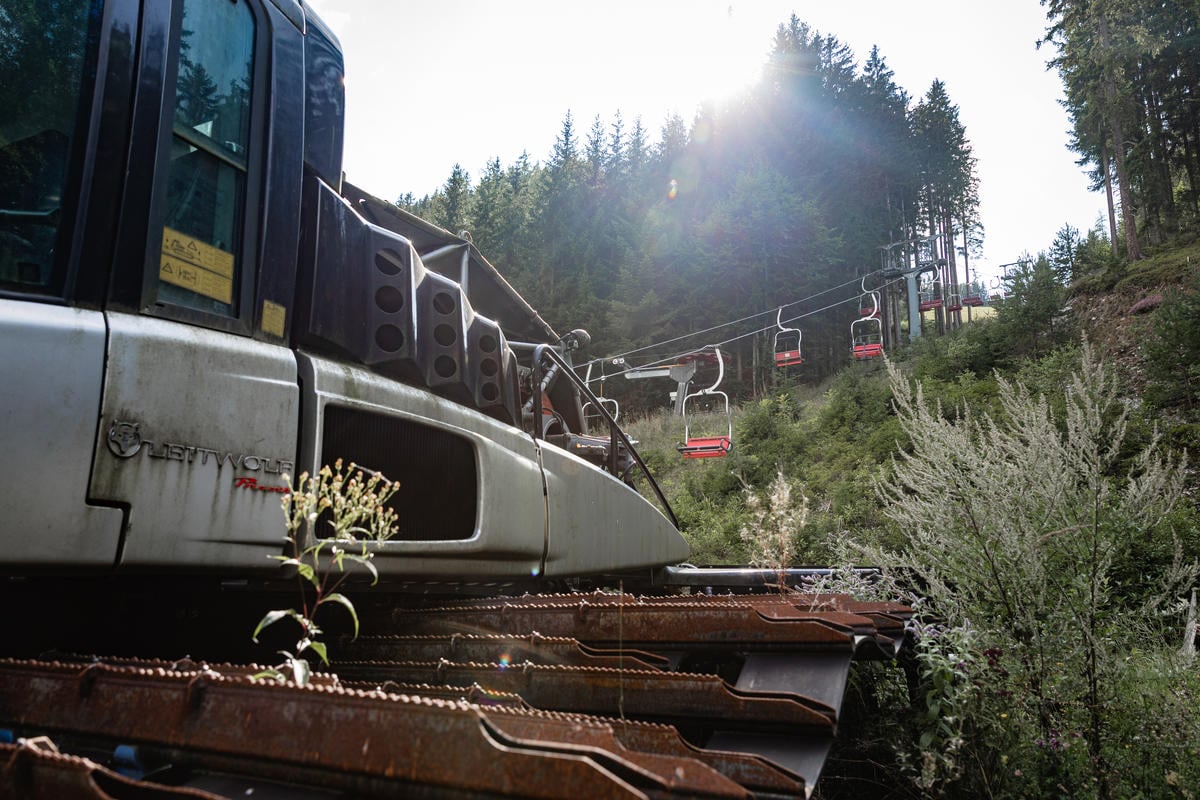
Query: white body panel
(511, 500)
(599, 524)
(53, 361)
(217, 418)
(189, 434)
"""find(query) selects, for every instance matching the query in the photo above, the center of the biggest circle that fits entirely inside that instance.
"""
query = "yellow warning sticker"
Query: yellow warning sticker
(273, 317)
(196, 265)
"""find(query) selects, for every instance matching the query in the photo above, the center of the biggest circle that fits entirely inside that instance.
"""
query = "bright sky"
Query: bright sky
(432, 84)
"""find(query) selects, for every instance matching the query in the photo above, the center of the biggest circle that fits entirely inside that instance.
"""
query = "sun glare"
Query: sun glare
(721, 51)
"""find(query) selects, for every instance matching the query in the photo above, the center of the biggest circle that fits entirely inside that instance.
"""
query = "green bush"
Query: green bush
(1171, 351)
(1021, 531)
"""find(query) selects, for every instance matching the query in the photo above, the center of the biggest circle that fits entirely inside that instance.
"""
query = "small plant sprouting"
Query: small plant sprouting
(772, 526)
(356, 512)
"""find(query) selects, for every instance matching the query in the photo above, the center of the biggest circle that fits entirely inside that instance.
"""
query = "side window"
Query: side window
(201, 261)
(43, 49)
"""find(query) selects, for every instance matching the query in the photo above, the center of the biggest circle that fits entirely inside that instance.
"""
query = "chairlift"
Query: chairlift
(866, 338)
(609, 404)
(707, 446)
(866, 332)
(975, 295)
(954, 302)
(928, 297)
(787, 344)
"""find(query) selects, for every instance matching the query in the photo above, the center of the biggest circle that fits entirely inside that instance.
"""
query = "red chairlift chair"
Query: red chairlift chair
(787, 344)
(866, 332)
(708, 446)
(976, 295)
(929, 300)
(866, 342)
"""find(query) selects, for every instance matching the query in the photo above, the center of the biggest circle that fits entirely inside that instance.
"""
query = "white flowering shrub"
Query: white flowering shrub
(773, 525)
(331, 519)
(1018, 528)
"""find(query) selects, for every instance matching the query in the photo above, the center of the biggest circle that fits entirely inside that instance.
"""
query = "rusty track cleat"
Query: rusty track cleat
(645, 694)
(498, 649)
(367, 743)
(35, 770)
(596, 695)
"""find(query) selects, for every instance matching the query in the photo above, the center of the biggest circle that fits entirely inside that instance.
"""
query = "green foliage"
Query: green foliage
(1031, 315)
(1020, 528)
(330, 521)
(774, 525)
(1096, 265)
(1064, 253)
(1123, 63)
(1171, 351)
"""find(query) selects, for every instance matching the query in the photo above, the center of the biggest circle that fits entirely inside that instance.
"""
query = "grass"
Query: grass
(1169, 267)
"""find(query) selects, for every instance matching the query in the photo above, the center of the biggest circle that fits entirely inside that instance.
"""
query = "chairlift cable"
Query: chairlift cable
(772, 310)
(674, 356)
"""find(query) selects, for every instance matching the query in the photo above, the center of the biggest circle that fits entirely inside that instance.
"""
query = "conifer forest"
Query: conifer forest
(1022, 471)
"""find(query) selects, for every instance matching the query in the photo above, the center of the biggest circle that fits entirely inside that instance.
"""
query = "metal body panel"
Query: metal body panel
(511, 542)
(599, 524)
(196, 428)
(48, 419)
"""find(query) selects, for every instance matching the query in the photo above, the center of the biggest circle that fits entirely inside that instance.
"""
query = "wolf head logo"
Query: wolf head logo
(125, 438)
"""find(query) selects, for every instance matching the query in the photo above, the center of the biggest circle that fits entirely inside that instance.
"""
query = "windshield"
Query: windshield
(43, 44)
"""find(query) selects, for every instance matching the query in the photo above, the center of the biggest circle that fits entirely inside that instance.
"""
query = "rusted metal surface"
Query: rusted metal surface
(341, 734)
(649, 694)
(473, 694)
(752, 772)
(675, 773)
(496, 648)
(596, 695)
(650, 623)
(35, 771)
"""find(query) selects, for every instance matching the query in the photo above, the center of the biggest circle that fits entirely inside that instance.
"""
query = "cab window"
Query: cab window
(42, 45)
(201, 261)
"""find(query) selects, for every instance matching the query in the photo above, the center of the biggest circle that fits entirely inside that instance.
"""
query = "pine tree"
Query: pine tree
(1063, 254)
(451, 210)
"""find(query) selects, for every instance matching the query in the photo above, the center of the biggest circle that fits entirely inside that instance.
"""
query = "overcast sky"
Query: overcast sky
(429, 85)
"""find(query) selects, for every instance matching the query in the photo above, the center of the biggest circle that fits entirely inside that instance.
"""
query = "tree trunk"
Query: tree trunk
(1189, 165)
(1133, 250)
(966, 264)
(1159, 140)
(1108, 193)
(953, 317)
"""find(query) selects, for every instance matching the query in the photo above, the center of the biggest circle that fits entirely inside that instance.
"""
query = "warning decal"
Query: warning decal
(196, 265)
(273, 316)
